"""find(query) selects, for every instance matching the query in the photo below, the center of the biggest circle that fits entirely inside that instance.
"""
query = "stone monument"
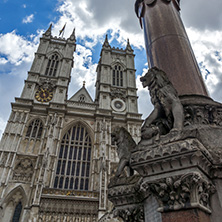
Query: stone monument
(178, 161)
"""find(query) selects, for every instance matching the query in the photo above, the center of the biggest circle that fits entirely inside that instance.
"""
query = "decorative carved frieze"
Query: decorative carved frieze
(181, 192)
(52, 209)
(202, 115)
(70, 193)
(148, 153)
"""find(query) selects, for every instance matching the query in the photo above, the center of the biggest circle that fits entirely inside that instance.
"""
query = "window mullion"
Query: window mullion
(77, 151)
(70, 167)
(67, 157)
(79, 160)
(82, 161)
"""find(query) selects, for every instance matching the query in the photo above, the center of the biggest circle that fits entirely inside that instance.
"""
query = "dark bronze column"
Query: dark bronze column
(168, 46)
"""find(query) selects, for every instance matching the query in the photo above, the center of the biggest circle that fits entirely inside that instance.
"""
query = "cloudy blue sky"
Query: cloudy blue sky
(22, 23)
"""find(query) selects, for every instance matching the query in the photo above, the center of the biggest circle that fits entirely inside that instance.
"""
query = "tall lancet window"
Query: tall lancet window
(17, 212)
(52, 65)
(117, 75)
(73, 167)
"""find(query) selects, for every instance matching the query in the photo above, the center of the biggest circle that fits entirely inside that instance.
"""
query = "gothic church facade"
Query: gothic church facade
(56, 154)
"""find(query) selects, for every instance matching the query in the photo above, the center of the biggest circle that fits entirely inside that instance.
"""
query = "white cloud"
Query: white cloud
(94, 19)
(3, 61)
(144, 102)
(16, 48)
(28, 19)
(207, 47)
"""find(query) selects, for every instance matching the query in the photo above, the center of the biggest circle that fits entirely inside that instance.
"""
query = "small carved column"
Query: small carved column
(167, 45)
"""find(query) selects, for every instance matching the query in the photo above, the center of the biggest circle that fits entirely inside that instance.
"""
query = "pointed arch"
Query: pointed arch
(13, 205)
(74, 158)
(57, 52)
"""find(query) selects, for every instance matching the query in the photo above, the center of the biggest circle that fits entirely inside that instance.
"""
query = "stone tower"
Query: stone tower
(178, 159)
(56, 153)
(116, 77)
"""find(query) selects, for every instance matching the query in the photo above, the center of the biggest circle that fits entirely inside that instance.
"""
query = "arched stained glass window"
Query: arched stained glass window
(34, 129)
(17, 212)
(52, 65)
(74, 159)
(117, 76)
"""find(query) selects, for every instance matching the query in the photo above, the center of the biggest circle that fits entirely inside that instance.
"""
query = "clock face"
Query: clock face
(43, 95)
(118, 105)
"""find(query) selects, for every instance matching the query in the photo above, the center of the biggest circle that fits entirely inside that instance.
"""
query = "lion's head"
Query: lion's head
(155, 78)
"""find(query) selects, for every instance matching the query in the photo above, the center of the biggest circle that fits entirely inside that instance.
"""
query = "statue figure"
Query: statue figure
(125, 145)
(168, 112)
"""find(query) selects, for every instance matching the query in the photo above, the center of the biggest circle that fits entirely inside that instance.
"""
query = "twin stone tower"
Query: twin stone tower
(58, 155)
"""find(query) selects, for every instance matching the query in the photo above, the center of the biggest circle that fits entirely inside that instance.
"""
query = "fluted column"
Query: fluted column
(168, 46)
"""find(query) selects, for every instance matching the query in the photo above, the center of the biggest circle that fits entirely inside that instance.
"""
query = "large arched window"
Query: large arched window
(34, 129)
(73, 165)
(117, 75)
(52, 65)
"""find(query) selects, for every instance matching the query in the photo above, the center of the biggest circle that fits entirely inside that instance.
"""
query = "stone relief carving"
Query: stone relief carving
(125, 145)
(178, 192)
(23, 170)
(47, 83)
(168, 111)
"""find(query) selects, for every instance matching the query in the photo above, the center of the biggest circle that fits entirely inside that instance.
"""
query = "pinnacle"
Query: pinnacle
(48, 31)
(128, 46)
(72, 36)
(106, 42)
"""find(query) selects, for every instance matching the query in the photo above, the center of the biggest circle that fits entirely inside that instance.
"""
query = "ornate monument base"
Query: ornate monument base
(179, 173)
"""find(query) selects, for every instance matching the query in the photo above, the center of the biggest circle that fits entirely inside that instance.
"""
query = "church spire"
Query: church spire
(106, 43)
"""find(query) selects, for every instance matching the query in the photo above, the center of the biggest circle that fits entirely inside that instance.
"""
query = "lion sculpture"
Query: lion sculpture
(125, 145)
(168, 112)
